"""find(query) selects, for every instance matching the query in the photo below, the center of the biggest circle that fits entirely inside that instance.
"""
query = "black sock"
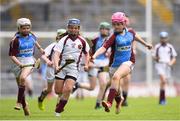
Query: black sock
(30, 92)
(75, 87)
(20, 93)
(162, 95)
(61, 105)
(125, 93)
(43, 95)
(98, 103)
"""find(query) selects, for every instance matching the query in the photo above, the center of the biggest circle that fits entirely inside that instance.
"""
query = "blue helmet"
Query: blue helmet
(74, 21)
(163, 34)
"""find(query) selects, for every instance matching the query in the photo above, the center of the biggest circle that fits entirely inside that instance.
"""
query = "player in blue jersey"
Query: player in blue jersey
(98, 69)
(122, 57)
(126, 79)
(49, 74)
(21, 53)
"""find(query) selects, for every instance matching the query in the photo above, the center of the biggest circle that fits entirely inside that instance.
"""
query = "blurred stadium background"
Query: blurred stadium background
(49, 15)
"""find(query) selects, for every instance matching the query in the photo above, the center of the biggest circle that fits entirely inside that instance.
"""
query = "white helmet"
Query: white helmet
(23, 21)
(163, 34)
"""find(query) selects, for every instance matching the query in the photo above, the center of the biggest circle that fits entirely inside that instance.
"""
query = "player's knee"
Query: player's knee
(163, 82)
(125, 82)
(58, 91)
(22, 80)
(102, 88)
(68, 89)
(103, 85)
(115, 77)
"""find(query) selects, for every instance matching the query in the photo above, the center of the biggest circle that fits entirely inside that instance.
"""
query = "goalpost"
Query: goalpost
(149, 75)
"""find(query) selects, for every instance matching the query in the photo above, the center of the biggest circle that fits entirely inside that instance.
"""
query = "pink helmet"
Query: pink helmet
(118, 17)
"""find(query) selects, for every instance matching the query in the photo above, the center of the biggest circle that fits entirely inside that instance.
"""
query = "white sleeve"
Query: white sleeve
(154, 51)
(174, 53)
(59, 46)
(87, 47)
(48, 49)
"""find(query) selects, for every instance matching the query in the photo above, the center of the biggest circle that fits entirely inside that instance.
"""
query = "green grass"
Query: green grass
(138, 109)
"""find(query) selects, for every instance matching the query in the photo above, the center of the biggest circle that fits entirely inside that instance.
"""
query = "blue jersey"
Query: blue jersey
(22, 46)
(121, 47)
(98, 45)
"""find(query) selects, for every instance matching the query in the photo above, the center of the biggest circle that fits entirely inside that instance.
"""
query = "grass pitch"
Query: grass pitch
(138, 109)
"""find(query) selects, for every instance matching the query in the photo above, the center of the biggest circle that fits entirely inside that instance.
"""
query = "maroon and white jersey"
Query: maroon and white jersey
(49, 50)
(72, 48)
(164, 53)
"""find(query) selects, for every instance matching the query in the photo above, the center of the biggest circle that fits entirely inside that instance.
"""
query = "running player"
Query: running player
(71, 47)
(126, 79)
(165, 57)
(98, 69)
(122, 57)
(21, 53)
(47, 57)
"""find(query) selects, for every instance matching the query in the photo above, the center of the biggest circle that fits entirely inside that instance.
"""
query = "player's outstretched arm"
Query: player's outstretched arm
(99, 52)
(46, 59)
(139, 39)
(87, 58)
(39, 47)
(56, 59)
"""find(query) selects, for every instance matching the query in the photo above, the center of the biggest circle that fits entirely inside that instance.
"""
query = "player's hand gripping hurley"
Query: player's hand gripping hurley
(35, 65)
(68, 61)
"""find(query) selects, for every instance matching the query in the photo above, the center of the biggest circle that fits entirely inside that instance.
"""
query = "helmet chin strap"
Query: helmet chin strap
(24, 34)
(121, 32)
(73, 36)
(104, 35)
(163, 43)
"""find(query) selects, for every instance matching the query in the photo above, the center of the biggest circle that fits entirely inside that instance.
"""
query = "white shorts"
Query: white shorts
(82, 77)
(16, 70)
(163, 69)
(98, 63)
(68, 71)
(101, 63)
(25, 61)
(50, 74)
(93, 72)
(128, 63)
